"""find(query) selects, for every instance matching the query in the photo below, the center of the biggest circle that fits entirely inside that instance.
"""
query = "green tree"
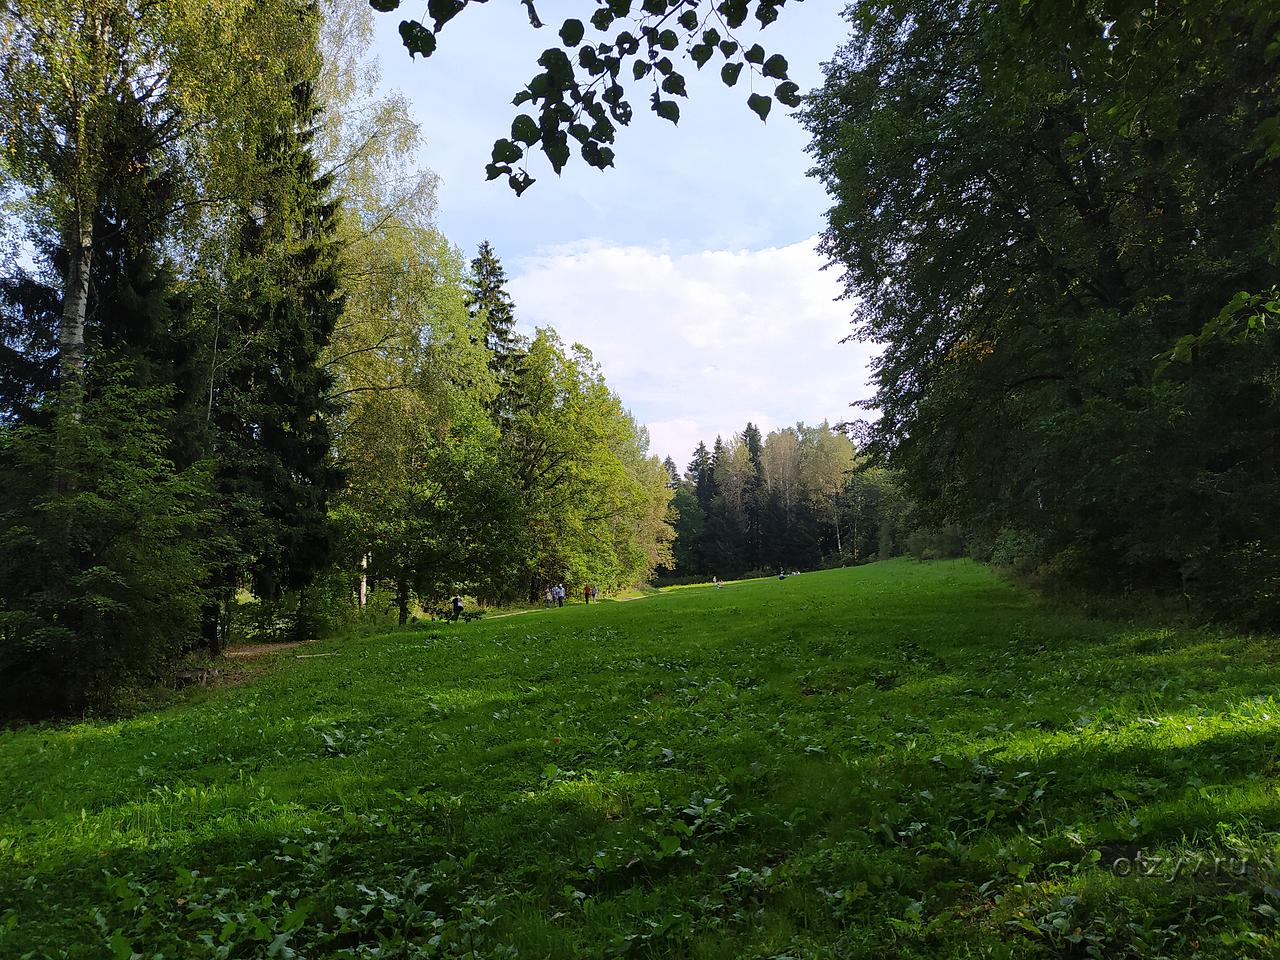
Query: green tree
(493, 312)
(1033, 203)
(100, 578)
(67, 70)
(596, 503)
(272, 403)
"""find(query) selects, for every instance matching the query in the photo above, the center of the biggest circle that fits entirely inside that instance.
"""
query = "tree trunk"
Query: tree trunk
(363, 590)
(76, 302)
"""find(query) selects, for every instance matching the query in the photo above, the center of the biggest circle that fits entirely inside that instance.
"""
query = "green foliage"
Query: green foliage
(1038, 206)
(104, 549)
(761, 503)
(585, 98)
(595, 503)
(896, 760)
(271, 401)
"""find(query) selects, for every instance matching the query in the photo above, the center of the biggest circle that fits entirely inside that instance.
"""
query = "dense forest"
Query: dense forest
(1060, 220)
(796, 499)
(245, 383)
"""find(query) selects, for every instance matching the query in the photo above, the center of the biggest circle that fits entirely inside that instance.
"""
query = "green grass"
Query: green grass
(900, 760)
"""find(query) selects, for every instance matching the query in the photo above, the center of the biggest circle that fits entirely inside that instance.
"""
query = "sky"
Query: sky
(689, 269)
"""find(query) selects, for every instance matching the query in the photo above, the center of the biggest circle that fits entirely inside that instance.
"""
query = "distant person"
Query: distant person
(457, 608)
(561, 593)
(548, 597)
(586, 594)
(595, 594)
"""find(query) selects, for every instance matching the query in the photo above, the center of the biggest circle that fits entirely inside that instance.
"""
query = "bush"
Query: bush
(1241, 585)
(936, 543)
(102, 551)
(1019, 550)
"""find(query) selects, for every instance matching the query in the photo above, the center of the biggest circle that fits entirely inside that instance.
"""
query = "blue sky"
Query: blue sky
(688, 268)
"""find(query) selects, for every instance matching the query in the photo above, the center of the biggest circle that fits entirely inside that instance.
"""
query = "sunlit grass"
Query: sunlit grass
(897, 760)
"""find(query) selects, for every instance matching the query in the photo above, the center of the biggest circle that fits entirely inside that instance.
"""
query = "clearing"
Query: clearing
(899, 760)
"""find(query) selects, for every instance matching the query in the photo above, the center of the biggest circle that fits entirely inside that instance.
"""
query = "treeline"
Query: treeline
(1061, 221)
(797, 499)
(238, 362)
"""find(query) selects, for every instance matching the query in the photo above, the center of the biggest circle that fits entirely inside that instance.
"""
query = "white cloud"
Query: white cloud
(699, 344)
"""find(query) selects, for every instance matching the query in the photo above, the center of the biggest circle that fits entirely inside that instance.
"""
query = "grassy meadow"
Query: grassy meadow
(898, 760)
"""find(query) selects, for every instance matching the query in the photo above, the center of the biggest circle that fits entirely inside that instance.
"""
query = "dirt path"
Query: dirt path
(262, 649)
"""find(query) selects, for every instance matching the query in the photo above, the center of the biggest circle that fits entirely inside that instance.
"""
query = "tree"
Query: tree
(827, 459)
(493, 313)
(754, 444)
(100, 579)
(673, 473)
(727, 520)
(589, 108)
(1032, 204)
(272, 405)
(596, 504)
(67, 70)
(701, 474)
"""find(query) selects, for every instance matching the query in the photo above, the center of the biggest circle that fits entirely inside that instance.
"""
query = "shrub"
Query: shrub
(102, 551)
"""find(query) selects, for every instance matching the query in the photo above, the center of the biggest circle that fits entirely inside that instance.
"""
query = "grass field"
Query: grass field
(900, 760)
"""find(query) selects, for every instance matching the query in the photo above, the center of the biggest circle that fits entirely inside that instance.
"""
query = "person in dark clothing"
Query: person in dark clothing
(457, 608)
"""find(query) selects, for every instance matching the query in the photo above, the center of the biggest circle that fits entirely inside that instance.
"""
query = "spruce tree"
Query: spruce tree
(673, 473)
(272, 398)
(702, 477)
(754, 496)
(493, 311)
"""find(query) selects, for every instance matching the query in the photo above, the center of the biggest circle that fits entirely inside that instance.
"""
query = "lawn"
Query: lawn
(898, 760)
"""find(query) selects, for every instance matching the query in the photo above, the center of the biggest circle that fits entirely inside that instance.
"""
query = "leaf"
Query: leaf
(755, 54)
(384, 6)
(524, 129)
(689, 20)
(442, 11)
(729, 73)
(761, 105)
(776, 67)
(674, 85)
(504, 151)
(667, 110)
(557, 150)
(520, 182)
(788, 93)
(417, 39)
(571, 32)
(766, 13)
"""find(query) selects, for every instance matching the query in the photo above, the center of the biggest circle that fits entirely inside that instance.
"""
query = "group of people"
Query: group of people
(556, 593)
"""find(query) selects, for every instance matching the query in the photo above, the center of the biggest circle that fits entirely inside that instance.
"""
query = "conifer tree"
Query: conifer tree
(493, 311)
(272, 402)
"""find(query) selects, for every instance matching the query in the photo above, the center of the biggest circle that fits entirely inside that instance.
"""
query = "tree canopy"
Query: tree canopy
(1036, 206)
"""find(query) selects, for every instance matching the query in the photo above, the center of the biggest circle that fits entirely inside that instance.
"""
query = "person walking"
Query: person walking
(586, 594)
(548, 597)
(560, 595)
(457, 608)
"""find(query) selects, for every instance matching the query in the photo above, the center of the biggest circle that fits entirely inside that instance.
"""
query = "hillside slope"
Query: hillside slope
(895, 760)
